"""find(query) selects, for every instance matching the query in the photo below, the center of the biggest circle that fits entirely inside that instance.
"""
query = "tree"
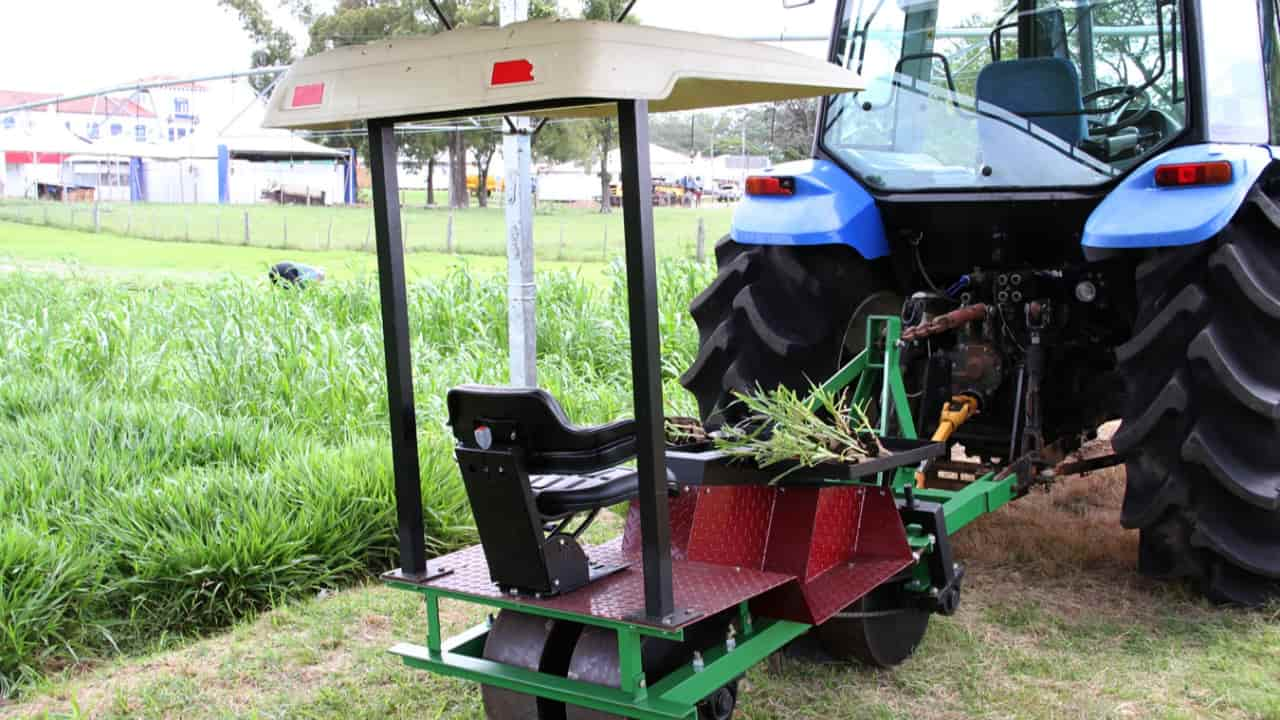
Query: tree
(601, 130)
(484, 144)
(423, 153)
(457, 170)
(274, 45)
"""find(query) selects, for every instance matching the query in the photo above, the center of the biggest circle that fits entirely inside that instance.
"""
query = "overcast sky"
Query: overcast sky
(76, 45)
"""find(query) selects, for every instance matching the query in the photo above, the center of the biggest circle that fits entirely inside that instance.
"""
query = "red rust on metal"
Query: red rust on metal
(943, 323)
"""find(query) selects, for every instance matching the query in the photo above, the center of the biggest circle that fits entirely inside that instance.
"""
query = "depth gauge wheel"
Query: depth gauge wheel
(880, 630)
(779, 316)
(1201, 430)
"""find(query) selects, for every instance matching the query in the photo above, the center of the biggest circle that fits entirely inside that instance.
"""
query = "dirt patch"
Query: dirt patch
(1070, 527)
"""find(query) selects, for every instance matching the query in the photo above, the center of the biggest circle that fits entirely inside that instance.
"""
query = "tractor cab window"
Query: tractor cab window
(973, 94)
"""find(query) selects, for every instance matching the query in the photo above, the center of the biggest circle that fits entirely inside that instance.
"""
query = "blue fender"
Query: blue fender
(1138, 214)
(829, 207)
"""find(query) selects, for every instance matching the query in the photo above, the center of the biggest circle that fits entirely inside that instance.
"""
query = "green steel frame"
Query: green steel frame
(881, 360)
(675, 697)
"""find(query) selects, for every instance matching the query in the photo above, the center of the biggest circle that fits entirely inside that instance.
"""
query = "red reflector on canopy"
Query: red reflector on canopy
(1190, 174)
(509, 72)
(771, 185)
(307, 95)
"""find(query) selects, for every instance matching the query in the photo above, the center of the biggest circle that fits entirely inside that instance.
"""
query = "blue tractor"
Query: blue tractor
(1071, 204)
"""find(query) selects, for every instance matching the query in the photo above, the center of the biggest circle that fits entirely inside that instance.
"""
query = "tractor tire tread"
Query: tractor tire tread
(772, 317)
(1202, 387)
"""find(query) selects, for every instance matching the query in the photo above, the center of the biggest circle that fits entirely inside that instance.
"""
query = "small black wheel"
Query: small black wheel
(881, 629)
(720, 704)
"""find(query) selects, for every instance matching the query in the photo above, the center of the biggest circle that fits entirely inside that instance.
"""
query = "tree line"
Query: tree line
(782, 130)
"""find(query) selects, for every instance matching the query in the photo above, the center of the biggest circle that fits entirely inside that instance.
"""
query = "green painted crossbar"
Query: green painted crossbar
(675, 697)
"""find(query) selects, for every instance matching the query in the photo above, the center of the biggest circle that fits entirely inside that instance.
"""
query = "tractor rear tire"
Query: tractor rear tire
(774, 316)
(1201, 430)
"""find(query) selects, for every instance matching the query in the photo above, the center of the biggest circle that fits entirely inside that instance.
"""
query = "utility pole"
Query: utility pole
(521, 326)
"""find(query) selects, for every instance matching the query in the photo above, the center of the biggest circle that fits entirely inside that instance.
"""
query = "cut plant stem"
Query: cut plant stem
(782, 429)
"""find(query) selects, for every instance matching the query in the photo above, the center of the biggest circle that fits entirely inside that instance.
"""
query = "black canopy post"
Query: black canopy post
(395, 340)
(646, 379)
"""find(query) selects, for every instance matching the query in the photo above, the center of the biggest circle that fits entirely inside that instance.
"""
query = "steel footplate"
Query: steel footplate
(701, 589)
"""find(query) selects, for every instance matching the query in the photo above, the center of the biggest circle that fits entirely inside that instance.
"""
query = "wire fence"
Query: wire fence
(568, 234)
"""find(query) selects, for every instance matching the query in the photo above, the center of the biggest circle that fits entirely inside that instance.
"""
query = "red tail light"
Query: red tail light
(1190, 174)
(771, 185)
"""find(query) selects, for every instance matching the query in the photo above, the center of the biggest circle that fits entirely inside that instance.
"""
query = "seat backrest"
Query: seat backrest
(487, 417)
(1036, 85)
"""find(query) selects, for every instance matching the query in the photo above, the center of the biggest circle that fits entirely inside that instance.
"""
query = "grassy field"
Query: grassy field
(153, 436)
(560, 233)
(33, 247)
(1053, 625)
(155, 431)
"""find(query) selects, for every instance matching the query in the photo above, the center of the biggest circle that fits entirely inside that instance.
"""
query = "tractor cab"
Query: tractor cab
(1030, 94)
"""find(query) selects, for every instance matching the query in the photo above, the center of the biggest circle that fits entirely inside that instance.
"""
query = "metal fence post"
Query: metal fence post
(246, 227)
(328, 243)
(448, 235)
(97, 218)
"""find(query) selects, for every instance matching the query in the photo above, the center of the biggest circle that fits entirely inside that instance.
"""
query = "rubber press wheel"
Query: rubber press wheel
(882, 630)
(595, 660)
(1201, 430)
(774, 316)
(534, 643)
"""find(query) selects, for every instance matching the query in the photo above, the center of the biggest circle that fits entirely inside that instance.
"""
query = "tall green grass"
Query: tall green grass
(175, 456)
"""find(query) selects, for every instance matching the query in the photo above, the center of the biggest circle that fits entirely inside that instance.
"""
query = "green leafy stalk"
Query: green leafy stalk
(781, 429)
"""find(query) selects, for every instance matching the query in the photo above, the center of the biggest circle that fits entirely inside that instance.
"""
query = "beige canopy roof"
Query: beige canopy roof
(471, 70)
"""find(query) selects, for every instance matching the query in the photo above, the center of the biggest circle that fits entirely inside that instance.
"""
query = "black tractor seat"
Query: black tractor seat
(560, 496)
(484, 416)
(529, 472)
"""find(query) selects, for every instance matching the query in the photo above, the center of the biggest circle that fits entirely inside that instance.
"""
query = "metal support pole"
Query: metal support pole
(1084, 26)
(646, 380)
(521, 324)
(395, 339)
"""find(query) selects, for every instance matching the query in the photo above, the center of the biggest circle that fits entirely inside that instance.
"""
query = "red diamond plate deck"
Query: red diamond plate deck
(702, 587)
(731, 525)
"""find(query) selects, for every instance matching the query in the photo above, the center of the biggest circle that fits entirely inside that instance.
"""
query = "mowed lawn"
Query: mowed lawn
(1055, 622)
(560, 233)
(37, 248)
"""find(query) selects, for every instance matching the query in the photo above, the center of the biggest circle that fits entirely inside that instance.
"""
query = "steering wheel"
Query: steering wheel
(1131, 111)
